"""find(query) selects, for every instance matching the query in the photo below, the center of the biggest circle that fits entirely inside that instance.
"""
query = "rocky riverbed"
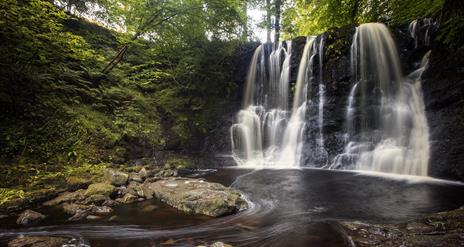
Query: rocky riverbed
(435, 230)
(96, 201)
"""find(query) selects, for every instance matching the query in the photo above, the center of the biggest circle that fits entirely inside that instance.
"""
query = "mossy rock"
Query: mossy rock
(104, 189)
(75, 183)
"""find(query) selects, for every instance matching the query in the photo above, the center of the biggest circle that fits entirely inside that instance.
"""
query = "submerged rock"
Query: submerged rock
(115, 177)
(29, 217)
(196, 196)
(99, 189)
(37, 242)
(149, 208)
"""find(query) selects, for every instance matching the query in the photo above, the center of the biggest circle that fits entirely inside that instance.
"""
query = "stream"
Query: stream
(289, 207)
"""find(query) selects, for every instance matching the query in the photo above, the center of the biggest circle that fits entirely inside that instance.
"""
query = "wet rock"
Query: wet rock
(37, 242)
(74, 209)
(135, 177)
(66, 197)
(96, 199)
(80, 211)
(80, 215)
(197, 196)
(220, 244)
(113, 218)
(116, 178)
(440, 229)
(99, 189)
(102, 210)
(216, 244)
(135, 189)
(29, 217)
(167, 173)
(127, 198)
(110, 203)
(93, 217)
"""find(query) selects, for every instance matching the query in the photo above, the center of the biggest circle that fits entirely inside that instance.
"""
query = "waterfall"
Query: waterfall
(320, 118)
(386, 127)
(420, 31)
(293, 137)
(268, 133)
(257, 136)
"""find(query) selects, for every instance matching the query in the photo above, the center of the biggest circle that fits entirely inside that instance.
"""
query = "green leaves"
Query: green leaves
(315, 17)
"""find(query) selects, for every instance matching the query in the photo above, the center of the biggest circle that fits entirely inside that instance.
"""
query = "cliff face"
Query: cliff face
(443, 87)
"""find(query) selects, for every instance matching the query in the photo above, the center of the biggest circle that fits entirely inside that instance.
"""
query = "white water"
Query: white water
(420, 31)
(257, 135)
(267, 134)
(386, 125)
(292, 147)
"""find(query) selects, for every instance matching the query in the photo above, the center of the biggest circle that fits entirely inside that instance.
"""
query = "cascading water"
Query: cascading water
(385, 118)
(267, 133)
(421, 30)
(292, 147)
(257, 135)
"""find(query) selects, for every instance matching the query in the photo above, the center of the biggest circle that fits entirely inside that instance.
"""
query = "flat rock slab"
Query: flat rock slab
(440, 229)
(197, 196)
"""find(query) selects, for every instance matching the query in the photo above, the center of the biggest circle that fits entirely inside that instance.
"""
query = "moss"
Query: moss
(178, 162)
(27, 183)
(104, 189)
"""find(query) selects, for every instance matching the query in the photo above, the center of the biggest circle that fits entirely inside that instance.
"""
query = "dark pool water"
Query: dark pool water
(289, 208)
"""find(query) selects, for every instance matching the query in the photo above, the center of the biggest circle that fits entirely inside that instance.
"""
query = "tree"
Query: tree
(155, 19)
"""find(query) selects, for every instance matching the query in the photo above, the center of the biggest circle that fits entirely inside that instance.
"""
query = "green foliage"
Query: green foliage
(58, 108)
(7, 195)
(451, 32)
(315, 17)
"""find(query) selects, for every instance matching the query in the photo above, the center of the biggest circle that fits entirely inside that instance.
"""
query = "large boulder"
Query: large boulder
(99, 189)
(196, 196)
(115, 178)
(29, 217)
(37, 242)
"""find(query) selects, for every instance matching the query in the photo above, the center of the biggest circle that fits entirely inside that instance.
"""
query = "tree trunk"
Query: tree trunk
(268, 21)
(278, 4)
(119, 56)
(115, 61)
